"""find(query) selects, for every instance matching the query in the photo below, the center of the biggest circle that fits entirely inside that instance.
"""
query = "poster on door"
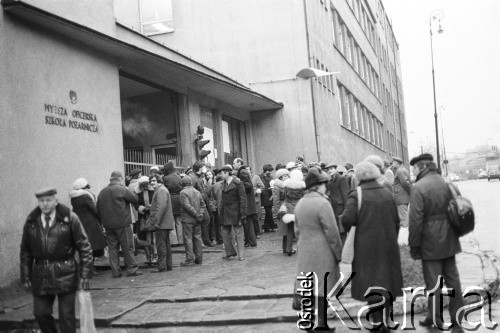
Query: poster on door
(209, 135)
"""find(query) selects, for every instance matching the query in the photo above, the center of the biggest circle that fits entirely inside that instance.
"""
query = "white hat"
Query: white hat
(143, 179)
(79, 183)
(291, 165)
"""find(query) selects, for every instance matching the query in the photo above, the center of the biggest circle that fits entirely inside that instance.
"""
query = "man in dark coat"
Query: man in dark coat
(172, 181)
(266, 198)
(233, 213)
(401, 189)
(251, 213)
(113, 206)
(432, 238)
(337, 189)
(199, 171)
(162, 219)
(51, 236)
(192, 206)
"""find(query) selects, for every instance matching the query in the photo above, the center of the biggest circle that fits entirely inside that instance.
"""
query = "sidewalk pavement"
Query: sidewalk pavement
(250, 295)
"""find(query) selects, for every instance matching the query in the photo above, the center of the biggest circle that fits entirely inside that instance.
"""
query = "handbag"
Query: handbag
(146, 224)
(86, 312)
(348, 249)
(460, 212)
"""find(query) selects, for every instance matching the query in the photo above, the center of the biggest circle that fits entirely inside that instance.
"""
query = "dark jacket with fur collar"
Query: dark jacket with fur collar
(48, 257)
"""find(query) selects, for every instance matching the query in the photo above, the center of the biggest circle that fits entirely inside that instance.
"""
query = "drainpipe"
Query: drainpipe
(316, 135)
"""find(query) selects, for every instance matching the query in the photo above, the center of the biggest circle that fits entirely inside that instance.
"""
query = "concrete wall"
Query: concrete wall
(95, 14)
(257, 42)
(37, 69)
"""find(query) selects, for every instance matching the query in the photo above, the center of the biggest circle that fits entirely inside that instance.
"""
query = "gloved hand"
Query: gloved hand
(416, 253)
(147, 210)
(85, 284)
(27, 285)
(258, 191)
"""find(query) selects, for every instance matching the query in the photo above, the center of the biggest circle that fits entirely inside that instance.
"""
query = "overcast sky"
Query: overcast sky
(467, 71)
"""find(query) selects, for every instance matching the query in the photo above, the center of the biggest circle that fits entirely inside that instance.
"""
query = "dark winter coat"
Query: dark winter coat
(377, 259)
(48, 258)
(145, 198)
(401, 186)
(192, 204)
(234, 202)
(266, 195)
(161, 209)
(337, 190)
(113, 206)
(84, 206)
(429, 227)
(173, 183)
(244, 176)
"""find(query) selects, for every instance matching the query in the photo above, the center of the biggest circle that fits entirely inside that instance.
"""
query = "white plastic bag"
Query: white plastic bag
(86, 312)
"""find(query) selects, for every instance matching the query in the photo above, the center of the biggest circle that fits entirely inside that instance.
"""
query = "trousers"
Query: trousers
(42, 309)
(164, 249)
(230, 234)
(116, 238)
(447, 268)
(249, 230)
(193, 242)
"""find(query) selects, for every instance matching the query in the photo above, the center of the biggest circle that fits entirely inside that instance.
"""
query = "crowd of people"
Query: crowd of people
(315, 204)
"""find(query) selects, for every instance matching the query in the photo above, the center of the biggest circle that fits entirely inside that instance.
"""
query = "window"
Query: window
(353, 113)
(156, 17)
(341, 36)
(355, 56)
(359, 109)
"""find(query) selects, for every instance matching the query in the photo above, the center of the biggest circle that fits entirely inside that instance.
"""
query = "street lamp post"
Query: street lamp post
(436, 15)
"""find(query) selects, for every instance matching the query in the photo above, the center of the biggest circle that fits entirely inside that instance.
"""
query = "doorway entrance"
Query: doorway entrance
(149, 124)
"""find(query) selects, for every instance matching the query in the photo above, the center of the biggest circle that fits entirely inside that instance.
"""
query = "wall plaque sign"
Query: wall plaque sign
(80, 120)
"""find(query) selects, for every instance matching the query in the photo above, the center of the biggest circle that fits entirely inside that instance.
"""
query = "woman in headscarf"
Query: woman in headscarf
(84, 205)
(376, 251)
(145, 235)
(319, 245)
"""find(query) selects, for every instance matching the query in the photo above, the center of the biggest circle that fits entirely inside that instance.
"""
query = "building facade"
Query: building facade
(263, 44)
(90, 87)
(83, 95)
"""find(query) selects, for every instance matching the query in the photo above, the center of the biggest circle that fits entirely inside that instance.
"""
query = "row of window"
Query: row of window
(357, 118)
(363, 18)
(326, 81)
(347, 45)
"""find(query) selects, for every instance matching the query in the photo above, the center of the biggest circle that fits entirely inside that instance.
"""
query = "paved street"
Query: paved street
(485, 196)
(253, 295)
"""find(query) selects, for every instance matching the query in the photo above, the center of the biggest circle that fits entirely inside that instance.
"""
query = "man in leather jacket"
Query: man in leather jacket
(51, 235)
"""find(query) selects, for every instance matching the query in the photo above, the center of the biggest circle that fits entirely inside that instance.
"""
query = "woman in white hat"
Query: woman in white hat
(83, 203)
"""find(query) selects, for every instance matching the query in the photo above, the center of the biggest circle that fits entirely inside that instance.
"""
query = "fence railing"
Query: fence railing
(137, 158)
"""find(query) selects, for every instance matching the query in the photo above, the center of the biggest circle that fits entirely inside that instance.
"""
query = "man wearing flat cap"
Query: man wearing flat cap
(51, 236)
(113, 207)
(432, 238)
(401, 189)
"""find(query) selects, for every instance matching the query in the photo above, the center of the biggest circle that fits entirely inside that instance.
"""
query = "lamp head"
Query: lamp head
(440, 30)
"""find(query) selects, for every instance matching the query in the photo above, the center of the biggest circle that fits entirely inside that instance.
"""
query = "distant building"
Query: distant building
(480, 158)
(263, 44)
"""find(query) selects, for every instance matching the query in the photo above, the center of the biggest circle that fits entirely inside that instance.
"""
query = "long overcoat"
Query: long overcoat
(377, 261)
(319, 245)
(83, 203)
(234, 202)
(401, 186)
(161, 209)
(173, 183)
(48, 257)
(429, 227)
(244, 176)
